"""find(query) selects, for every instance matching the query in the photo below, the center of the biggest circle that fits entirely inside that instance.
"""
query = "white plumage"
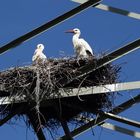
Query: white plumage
(39, 56)
(81, 47)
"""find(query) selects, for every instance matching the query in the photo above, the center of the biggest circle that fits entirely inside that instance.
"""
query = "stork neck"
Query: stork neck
(76, 36)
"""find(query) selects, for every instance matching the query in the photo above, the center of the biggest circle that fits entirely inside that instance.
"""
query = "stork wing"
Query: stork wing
(42, 56)
(86, 45)
(35, 55)
(38, 55)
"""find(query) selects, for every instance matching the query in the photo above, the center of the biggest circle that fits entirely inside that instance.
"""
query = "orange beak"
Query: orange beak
(69, 31)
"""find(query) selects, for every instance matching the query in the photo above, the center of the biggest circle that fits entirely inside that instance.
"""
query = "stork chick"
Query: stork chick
(39, 56)
(81, 47)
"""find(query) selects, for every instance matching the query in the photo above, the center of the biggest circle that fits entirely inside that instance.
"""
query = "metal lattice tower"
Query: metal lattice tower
(102, 116)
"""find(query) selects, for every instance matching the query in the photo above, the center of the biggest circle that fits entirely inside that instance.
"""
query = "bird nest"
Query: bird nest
(40, 86)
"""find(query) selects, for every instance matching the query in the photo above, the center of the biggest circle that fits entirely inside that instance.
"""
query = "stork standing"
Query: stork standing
(81, 47)
(39, 56)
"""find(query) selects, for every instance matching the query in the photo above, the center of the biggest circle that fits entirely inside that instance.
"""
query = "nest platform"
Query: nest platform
(39, 86)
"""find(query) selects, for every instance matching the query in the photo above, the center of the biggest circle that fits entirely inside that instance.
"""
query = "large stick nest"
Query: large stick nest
(39, 85)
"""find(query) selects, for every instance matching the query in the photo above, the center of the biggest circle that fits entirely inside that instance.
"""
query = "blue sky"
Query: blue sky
(104, 31)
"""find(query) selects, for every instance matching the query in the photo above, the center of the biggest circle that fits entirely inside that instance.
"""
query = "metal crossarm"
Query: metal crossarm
(124, 106)
(66, 92)
(15, 99)
(119, 11)
(100, 89)
(113, 10)
(122, 119)
(48, 25)
(121, 129)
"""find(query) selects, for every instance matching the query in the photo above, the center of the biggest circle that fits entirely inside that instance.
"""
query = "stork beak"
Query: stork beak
(69, 31)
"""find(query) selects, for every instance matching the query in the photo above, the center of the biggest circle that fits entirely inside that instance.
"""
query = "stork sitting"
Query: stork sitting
(39, 56)
(81, 47)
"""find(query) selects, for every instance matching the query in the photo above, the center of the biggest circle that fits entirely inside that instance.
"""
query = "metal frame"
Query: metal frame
(121, 129)
(94, 90)
(114, 127)
(85, 70)
(118, 11)
(66, 92)
(113, 10)
(122, 119)
(99, 120)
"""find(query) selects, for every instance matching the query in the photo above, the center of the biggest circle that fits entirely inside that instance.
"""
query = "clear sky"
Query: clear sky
(104, 31)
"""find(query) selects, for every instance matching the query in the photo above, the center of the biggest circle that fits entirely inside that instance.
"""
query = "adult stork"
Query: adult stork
(39, 56)
(81, 47)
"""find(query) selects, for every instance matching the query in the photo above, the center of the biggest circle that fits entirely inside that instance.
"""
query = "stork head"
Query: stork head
(75, 31)
(40, 46)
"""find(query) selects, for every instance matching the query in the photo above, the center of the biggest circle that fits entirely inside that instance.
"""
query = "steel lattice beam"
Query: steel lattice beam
(121, 129)
(119, 11)
(115, 127)
(100, 89)
(48, 25)
(66, 92)
(124, 106)
(122, 119)
(113, 10)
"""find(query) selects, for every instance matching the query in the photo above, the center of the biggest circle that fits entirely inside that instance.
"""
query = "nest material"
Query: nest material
(37, 83)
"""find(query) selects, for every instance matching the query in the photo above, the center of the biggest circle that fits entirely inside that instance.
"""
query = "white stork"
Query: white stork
(81, 47)
(39, 56)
